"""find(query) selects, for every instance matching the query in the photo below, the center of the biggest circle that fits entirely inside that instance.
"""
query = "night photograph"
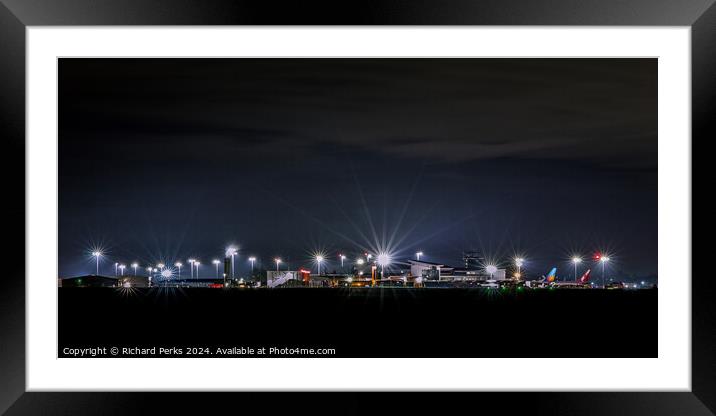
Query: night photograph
(357, 207)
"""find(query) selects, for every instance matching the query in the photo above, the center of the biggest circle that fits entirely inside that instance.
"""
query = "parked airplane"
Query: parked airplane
(582, 282)
(544, 281)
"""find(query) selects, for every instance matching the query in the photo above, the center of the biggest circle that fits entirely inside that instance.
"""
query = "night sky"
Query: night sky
(166, 159)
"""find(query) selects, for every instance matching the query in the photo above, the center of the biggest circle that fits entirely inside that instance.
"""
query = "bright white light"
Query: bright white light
(231, 251)
(97, 254)
(252, 259)
(178, 264)
(342, 257)
(604, 259)
(360, 262)
(215, 262)
(383, 259)
(135, 265)
(519, 261)
(491, 269)
(160, 265)
(166, 273)
(576, 260)
(319, 258)
(191, 260)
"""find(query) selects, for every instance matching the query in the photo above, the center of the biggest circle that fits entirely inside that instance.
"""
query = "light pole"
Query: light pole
(232, 252)
(197, 264)
(121, 268)
(576, 260)
(519, 261)
(161, 267)
(604, 260)
(191, 267)
(418, 254)
(383, 260)
(491, 270)
(278, 261)
(134, 266)
(252, 260)
(116, 266)
(216, 263)
(149, 276)
(97, 255)
(178, 266)
(319, 259)
(342, 259)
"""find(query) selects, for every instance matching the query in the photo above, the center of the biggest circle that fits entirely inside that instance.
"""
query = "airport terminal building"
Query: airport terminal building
(439, 272)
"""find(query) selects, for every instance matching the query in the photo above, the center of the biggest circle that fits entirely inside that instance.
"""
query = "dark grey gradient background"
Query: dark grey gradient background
(367, 12)
(21, 13)
(12, 132)
(703, 103)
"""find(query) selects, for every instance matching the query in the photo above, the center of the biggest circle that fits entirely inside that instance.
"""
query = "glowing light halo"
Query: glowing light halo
(383, 259)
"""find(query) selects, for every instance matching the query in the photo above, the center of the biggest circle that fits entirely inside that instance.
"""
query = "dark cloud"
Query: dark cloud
(457, 109)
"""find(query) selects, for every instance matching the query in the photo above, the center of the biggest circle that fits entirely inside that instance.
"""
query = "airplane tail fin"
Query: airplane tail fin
(585, 276)
(552, 276)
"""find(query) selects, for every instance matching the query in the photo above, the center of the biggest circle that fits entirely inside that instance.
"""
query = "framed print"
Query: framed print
(423, 198)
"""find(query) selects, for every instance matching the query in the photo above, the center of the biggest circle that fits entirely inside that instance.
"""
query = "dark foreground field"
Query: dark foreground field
(360, 322)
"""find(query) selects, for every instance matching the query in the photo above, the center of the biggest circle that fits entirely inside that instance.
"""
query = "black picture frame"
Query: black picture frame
(16, 15)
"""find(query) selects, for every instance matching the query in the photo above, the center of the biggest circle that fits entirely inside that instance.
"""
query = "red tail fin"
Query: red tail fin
(585, 277)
